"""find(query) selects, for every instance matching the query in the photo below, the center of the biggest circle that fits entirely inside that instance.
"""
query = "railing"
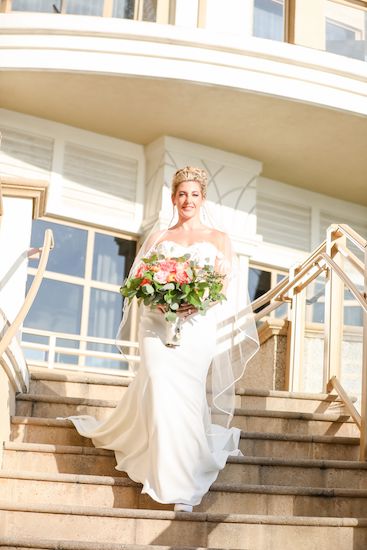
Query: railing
(11, 330)
(49, 354)
(328, 258)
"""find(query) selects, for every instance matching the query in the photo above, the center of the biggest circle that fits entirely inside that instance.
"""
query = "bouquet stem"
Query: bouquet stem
(173, 333)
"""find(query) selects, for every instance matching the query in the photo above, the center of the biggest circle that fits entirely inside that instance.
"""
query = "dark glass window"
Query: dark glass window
(48, 6)
(268, 19)
(259, 284)
(344, 41)
(124, 9)
(68, 256)
(112, 257)
(57, 307)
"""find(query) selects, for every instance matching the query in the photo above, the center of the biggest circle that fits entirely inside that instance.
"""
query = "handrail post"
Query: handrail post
(297, 332)
(5, 6)
(51, 351)
(363, 441)
(334, 317)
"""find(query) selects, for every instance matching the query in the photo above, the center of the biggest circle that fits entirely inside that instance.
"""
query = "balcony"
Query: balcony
(251, 80)
(337, 26)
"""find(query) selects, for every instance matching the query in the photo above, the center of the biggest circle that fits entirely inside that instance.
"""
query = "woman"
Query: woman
(162, 430)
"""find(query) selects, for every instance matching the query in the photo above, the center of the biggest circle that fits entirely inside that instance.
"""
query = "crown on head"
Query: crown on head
(190, 173)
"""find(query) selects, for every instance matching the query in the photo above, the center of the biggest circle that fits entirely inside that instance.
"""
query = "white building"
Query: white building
(102, 101)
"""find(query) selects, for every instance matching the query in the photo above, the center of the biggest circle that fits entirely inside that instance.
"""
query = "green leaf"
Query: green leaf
(186, 289)
(168, 286)
(174, 306)
(148, 289)
(189, 272)
(170, 316)
(194, 299)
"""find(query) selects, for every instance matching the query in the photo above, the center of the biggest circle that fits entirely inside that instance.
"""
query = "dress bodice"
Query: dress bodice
(202, 252)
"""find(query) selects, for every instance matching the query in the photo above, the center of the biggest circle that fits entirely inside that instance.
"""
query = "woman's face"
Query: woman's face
(188, 199)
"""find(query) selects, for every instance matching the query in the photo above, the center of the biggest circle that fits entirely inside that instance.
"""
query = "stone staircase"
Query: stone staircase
(299, 486)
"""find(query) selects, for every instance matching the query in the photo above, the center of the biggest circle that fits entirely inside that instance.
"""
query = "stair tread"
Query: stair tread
(170, 516)
(269, 461)
(216, 486)
(271, 436)
(124, 381)
(81, 545)
(291, 415)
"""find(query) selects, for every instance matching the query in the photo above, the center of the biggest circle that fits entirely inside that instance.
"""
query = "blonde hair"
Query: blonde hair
(190, 173)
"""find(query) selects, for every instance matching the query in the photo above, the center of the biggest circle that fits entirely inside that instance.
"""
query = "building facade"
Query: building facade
(103, 101)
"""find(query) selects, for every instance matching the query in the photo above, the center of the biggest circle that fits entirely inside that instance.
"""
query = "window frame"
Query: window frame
(274, 272)
(87, 282)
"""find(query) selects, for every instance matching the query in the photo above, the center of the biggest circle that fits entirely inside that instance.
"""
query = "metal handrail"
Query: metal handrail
(351, 286)
(274, 293)
(352, 235)
(336, 385)
(279, 292)
(13, 328)
(326, 257)
(356, 262)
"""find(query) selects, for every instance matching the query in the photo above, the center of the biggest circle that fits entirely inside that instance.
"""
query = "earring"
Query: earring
(204, 215)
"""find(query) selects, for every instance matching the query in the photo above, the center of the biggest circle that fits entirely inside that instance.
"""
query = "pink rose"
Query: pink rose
(140, 271)
(161, 277)
(168, 265)
(182, 277)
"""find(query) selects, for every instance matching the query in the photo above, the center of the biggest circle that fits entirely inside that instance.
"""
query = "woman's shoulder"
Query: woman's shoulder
(219, 238)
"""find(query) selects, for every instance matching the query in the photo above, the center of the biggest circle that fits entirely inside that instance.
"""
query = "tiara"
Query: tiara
(190, 173)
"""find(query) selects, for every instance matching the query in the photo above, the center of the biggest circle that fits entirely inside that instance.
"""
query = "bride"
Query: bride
(162, 430)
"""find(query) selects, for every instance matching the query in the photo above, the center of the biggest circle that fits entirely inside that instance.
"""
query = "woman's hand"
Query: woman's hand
(186, 310)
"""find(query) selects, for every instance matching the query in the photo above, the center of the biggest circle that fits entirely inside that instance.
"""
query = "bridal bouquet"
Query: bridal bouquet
(171, 282)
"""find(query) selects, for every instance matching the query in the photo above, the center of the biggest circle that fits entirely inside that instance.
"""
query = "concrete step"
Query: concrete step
(37, 430)
(232, 498)
(273, 400)
(247, 470)
(289, 422)
(249, 420)
(127, 526)
(111, 388)
(77, 384)
(36, 543)
(278, 445)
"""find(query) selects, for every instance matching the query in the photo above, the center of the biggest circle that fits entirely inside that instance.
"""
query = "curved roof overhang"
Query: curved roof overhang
(301, 112)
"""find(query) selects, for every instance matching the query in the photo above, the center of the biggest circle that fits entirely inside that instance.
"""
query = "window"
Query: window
(268, 19)
(36, 5)
(80, 291)
(262, 279)
(345, 30)
(142, 10)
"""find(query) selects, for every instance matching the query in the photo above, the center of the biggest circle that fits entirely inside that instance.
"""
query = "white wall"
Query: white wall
(92, 178)
(318, 205)
(230, 17)
(15, 234)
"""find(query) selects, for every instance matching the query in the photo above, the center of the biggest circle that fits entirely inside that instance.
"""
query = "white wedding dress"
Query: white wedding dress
(161, 430)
